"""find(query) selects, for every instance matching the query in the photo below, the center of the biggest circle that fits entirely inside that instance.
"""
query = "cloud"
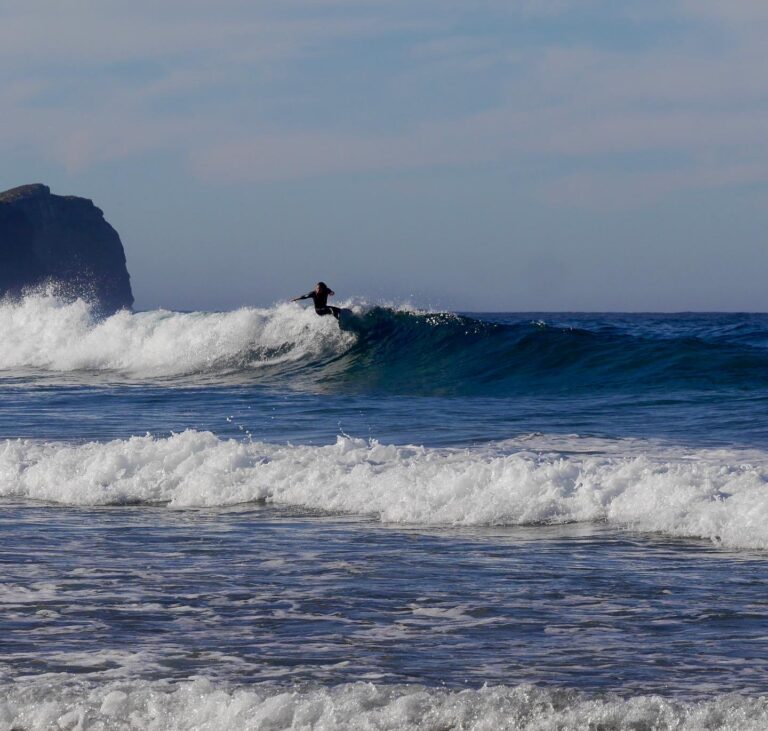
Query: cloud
(740, 13)
(292, 89)
(622, 190)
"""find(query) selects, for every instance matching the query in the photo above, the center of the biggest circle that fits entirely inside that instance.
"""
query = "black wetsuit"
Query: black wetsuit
(321, 303)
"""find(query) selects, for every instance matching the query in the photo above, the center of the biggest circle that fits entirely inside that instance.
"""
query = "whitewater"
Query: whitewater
(43, 332)
(256, 519)
(699, 494)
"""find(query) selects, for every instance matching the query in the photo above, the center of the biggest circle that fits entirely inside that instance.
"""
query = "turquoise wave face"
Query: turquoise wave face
(381, 350)
(501, 355)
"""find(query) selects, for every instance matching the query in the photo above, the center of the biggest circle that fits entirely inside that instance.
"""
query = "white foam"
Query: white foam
(44, 332)
(199, 704)
(718, 495)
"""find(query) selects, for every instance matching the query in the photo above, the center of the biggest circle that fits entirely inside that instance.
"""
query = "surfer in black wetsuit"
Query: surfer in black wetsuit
(319, 295)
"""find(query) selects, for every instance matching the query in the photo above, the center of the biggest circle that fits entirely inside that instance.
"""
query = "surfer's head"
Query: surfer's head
(321, 287)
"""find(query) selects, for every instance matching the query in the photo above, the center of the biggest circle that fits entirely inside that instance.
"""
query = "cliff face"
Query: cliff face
(65, 239)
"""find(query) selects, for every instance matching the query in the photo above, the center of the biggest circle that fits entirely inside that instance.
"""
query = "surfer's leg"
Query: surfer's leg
(334, 311)
(324, 311)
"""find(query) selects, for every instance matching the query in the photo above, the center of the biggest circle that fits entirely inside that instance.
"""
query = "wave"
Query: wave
(382, 349)
(717, 495)
(201, 704)
(46, 333)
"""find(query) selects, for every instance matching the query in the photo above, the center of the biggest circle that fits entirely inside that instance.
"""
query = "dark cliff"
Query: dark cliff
(64, 239)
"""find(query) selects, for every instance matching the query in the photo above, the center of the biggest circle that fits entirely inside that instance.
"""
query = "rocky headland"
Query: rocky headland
(61, 240)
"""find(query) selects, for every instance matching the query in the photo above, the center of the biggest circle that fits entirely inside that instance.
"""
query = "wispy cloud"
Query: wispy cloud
(293, 89)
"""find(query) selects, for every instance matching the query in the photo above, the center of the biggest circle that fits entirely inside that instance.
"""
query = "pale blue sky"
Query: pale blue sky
(486, 155)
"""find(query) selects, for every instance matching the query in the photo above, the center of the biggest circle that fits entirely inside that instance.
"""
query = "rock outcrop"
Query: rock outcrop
(64, 240)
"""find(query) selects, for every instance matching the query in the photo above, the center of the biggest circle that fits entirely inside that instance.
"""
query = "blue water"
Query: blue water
(565, 504)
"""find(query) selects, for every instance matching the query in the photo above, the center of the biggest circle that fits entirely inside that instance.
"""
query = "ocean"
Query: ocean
(257, 520)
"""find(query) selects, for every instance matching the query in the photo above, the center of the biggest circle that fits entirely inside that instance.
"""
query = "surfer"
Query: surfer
(319, 295)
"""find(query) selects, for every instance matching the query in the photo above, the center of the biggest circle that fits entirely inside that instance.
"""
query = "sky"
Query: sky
(493, 155)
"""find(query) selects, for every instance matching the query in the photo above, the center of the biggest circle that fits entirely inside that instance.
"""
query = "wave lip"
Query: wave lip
(200, 704)
(710, 494)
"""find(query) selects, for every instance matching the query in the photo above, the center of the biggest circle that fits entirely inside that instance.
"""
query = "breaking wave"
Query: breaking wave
(380, 350)
(45, 333)
(711, 494)
(200, 704)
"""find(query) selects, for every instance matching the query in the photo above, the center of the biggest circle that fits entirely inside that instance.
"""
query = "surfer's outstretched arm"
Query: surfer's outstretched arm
(302, 297)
